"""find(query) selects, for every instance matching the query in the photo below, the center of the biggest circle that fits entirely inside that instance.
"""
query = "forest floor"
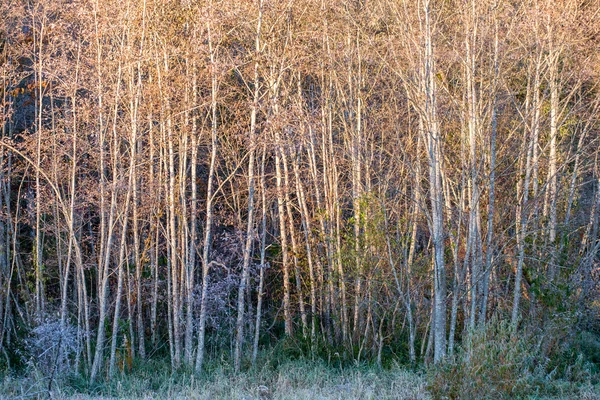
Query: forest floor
(298, 379)
(301, 379)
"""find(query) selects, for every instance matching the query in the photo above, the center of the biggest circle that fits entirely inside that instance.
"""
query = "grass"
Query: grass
(296, 379)
(492, 364)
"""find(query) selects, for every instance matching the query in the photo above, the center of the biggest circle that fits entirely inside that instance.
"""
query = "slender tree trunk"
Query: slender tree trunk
(492, 182)
(552, 178)
(436, 196)
(193, 239)
(528, 176)
(107, 234)
(209, 206)
(283, 237)
(250, 222)
(263, 266)
(295, 250)
(305, 217)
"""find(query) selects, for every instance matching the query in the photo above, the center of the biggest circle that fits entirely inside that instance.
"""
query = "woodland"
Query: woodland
(381, 184)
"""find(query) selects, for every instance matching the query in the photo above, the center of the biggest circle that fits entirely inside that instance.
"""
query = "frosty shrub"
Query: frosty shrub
(51, 348)
(224, 278)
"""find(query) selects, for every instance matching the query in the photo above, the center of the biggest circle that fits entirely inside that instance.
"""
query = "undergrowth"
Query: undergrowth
(497, 362)
(271, 378)
(492, 363)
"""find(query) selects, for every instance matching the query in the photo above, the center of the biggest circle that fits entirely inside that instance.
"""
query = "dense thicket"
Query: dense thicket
(373, 178)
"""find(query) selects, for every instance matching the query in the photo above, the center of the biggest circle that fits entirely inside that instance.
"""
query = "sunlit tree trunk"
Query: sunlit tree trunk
(209, 203)
(263, 265)
(250, 222)
(436, 197)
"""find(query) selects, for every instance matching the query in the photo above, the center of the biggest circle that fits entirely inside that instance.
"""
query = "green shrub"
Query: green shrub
(497, 362)
(588, 344)
(494, 362)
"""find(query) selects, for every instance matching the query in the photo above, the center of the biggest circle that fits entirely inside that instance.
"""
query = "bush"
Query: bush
(493, 363)
(51, 347)
(497, 362)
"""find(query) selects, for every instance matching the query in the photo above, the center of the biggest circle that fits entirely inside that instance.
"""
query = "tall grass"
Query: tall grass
(493, 363)
(295, 379)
